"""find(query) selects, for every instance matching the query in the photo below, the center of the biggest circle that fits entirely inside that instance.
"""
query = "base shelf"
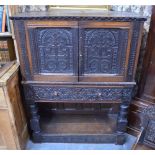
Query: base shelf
(78, 124)
(78, 128)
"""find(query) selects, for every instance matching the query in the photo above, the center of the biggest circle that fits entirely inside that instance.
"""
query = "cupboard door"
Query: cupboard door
(104, 51)
(52, 50)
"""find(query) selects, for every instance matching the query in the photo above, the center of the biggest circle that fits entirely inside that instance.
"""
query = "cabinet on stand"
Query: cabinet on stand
(78, 70)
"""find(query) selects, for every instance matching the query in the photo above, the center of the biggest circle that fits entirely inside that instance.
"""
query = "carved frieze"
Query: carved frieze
(75, 93)
(110, 19)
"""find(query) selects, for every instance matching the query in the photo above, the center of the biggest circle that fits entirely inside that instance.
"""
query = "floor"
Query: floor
(72, 146)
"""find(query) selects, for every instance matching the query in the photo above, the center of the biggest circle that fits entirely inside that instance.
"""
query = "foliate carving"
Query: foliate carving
(74, 93)
(55, 48)
(104, 50)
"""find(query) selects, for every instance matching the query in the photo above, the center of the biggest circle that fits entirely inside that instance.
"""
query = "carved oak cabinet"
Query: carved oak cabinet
(78, 71)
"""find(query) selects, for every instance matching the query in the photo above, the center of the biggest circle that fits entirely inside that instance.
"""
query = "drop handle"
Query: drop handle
(55, 93)
(99, 94)
(80, 55)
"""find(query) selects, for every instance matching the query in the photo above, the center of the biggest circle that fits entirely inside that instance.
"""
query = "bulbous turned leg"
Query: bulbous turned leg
(122, 124)
(122, 116)
(34, 120)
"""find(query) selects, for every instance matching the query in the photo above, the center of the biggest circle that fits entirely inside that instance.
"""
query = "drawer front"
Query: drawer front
(70, 93)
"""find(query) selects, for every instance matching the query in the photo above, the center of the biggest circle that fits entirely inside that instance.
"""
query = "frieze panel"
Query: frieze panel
(80, 18)
(73, 93)
(76, 93)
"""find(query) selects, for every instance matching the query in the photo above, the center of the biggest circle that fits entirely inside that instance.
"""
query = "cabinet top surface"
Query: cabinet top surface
(80, 15)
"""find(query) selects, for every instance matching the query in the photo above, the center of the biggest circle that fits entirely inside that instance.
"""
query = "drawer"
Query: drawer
(76, 93)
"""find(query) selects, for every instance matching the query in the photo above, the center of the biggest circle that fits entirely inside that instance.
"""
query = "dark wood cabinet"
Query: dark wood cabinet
(78, 64)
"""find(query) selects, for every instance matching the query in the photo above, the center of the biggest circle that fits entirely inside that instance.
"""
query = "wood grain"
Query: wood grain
(13, 126)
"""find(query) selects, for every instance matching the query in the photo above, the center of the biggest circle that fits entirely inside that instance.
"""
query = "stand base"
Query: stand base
(79, 128)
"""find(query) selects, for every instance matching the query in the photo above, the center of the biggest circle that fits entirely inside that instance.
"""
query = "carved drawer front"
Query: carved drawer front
(53, 50)
(104, 50)
(62, 93)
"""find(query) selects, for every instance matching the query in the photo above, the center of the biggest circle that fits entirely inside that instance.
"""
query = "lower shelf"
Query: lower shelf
(78, 124)
(79, 128)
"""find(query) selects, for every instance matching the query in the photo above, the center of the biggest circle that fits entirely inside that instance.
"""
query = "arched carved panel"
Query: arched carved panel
(55, 47)
(104, 50)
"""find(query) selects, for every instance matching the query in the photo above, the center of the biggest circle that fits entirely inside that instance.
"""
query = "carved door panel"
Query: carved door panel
(104, 50)
(53, 50)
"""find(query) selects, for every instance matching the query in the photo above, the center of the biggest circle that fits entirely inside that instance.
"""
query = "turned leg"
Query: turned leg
(122, 124)
(34, 121)
(122, 116)
(122, 119)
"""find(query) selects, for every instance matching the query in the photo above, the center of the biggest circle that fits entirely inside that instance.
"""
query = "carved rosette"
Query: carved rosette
(119, 19)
